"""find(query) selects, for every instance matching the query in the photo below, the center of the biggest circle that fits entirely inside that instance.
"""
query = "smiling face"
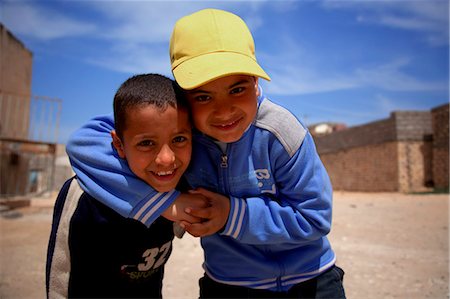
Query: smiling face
(157, 144)
(224, 108)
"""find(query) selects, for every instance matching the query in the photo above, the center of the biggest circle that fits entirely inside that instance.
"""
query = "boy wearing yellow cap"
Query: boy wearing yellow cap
(264, 235)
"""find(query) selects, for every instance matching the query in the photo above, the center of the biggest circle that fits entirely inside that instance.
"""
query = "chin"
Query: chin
(159, 187)
(228, 139)
(165, 188)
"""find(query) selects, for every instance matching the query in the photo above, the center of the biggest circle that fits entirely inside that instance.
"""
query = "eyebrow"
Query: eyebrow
(144, 135)
(194, 91)
(239, 83)
(155, 136)
(184, 132)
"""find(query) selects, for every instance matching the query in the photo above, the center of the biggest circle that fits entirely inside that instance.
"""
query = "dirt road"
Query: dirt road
(390, 246)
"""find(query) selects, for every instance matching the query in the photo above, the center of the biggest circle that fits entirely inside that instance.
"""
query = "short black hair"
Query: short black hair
(142, 90)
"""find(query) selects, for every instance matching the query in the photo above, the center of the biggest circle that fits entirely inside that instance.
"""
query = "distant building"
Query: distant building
(408, 152)
(324, 128)
(28, 125)
(15, 82)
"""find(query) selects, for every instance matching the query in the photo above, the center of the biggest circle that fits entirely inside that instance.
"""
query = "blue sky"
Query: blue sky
(342, 61)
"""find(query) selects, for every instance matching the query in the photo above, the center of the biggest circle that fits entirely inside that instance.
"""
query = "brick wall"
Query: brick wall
(364, 168)
(393, 154)
(414, 166)
(440, 163)
(359, 136)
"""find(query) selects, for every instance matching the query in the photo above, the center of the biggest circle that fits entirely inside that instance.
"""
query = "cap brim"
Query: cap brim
(203, 69)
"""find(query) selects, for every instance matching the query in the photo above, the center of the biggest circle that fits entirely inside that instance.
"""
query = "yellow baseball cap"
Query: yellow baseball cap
(210, 44)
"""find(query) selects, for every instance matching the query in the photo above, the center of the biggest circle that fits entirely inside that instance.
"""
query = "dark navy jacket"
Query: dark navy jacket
(95, 252)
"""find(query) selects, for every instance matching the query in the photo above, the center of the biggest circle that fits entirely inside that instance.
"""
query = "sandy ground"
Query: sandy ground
(390, 246)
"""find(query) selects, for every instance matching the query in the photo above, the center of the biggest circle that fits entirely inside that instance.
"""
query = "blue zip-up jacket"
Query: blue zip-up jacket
(279, 190)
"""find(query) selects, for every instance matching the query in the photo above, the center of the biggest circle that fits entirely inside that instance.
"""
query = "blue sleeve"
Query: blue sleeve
(302, 209)
(107, 177)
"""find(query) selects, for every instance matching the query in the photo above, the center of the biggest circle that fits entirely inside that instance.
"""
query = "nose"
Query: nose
(223, 107)
(165, 156)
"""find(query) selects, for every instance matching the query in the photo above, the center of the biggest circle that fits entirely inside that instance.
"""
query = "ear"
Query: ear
(117, 143)
(256, 85)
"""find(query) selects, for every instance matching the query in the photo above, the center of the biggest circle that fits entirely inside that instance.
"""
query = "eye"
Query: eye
(145, 143)
(179, 139)
(202, 98)
(237, 90)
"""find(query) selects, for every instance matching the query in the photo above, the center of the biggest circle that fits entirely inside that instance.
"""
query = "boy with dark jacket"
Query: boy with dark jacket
(98, 250)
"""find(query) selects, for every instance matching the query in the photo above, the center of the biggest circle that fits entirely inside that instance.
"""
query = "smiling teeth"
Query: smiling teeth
(229, 124)
(161, 173)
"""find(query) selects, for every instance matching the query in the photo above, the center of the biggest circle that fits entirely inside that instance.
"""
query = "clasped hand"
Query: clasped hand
(200, 212)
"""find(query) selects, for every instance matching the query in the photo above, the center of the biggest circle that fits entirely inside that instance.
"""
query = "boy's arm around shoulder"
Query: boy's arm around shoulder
(106, 177)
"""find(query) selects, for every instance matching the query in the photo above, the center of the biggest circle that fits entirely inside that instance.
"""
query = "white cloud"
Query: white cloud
(429, 17)
(138, 21)
(153, 21)
(294, 70)
(139, 32)
(130, 21)
(41, 23)
(137, 35)
(385, 104)
(391, 77)
(132, 32)
(134, 58)
(293, 78)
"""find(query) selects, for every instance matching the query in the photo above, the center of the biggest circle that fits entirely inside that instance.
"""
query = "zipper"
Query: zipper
(223, 171)
(279, 286)
(224, 160)
(281, 268)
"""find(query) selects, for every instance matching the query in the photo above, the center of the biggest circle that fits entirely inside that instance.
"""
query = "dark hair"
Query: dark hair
(143, 90)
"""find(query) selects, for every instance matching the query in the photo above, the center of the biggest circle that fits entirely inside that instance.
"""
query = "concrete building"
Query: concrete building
(15, 86)
(28, 125)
